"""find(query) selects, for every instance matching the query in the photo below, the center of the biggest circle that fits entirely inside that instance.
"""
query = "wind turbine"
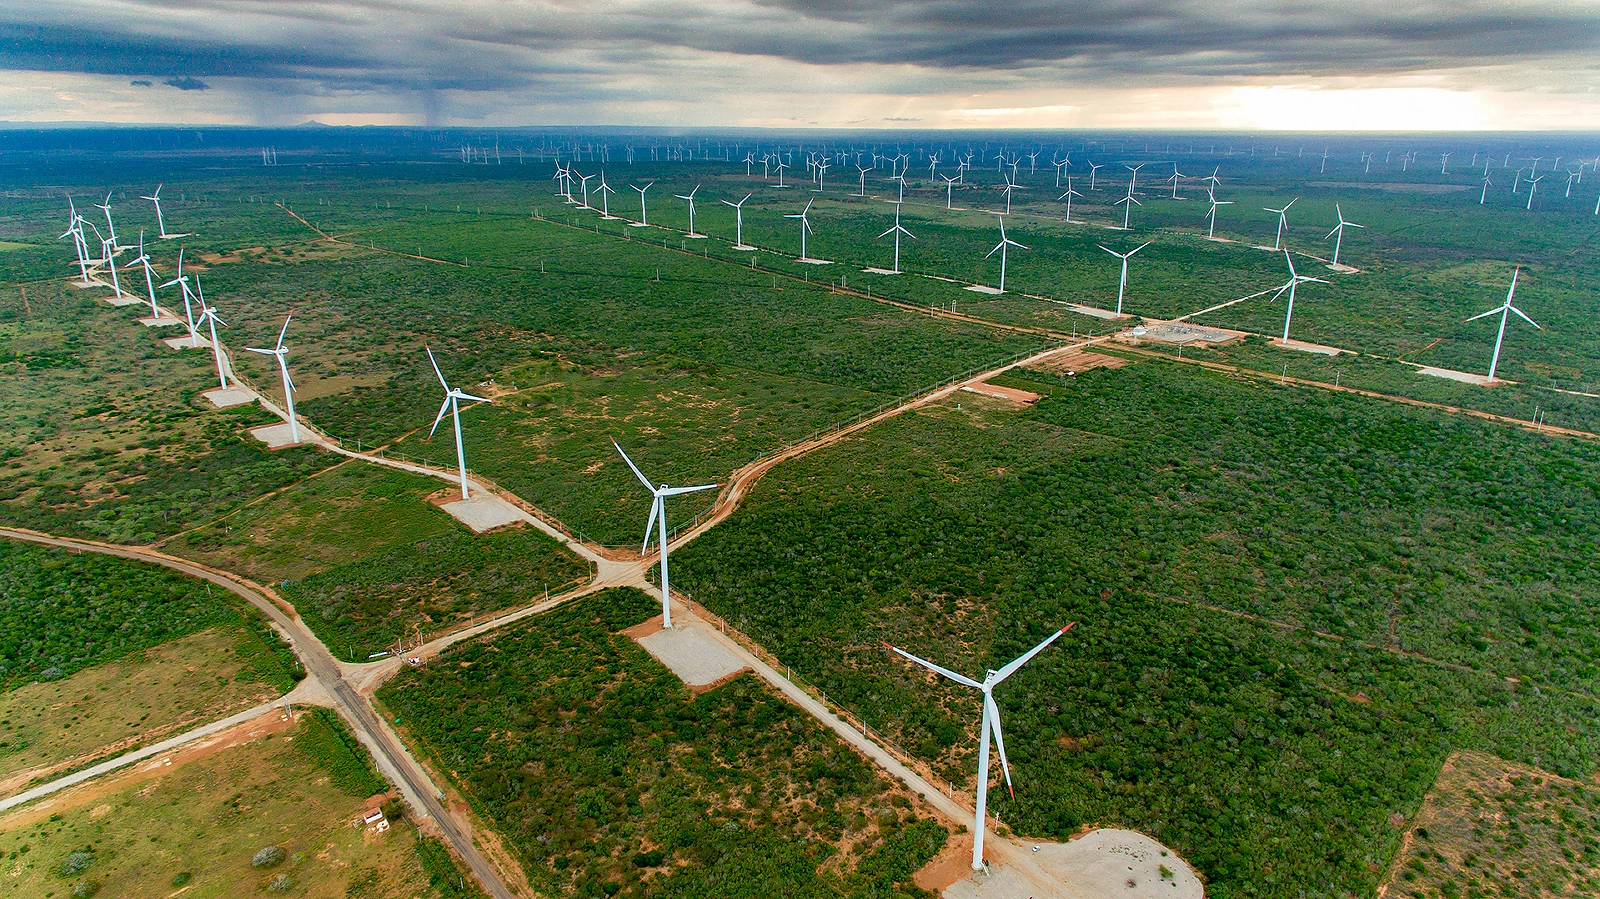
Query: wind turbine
(208, 315)
(281, 353)
(605, 199)
(1176, 175)
(1211, 229)
(149, 282)
(1339, 230)
(1505, 309)
(1135, 179)
(990, 724)
(1001, 249)
(658, 512)
(690, 198)
(1486, 185)
(1127, 203)
(81, 246)
(897, 231)
(1122, 282)
(584, 180)
(805, 226)
(644, 217)
(1010, 186)
(1068, 197)
(182, 281)
(1533, 187)
(161, 222)
(452, 404)
(1093, 168)
(1283, 222)
(949, 186)
(738, 211)
(1294, 281)
(111, 227)
(863, 172)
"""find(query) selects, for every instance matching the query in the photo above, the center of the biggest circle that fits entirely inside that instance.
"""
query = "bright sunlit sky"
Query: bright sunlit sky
(1225, 64)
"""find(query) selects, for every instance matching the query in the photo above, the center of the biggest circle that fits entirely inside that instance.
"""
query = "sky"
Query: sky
(1160, 64)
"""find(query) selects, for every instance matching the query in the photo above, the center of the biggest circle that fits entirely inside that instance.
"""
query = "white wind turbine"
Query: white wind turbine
(149, 282)
(182, 281)
(605, 196)
(1294, 281)
(1068, 197)
(111, 227)
(1486, 185)
(1093, 168)
(805, 226)
(949, 187)
(1010, 186)
(863, 172)
(690, 198)
(644, 217)
(281, 353)
(1505, 309)
(1283, 222)
(1211, 229)
(1001, 249)
(1127, 203)
(1533, 187)
(897, 231)
(738, 211)
(990, 724)
(658, 512)
(208, 315)
(161, 223)
(1134, 180)
(1176, 176)
(452, 404)
(1339, 231)
(1122, 282)
(79, 244)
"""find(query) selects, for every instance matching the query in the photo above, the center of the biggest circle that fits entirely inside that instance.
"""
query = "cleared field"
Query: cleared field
(195, 828)
(605, 775)
(1291, 605)
(1496, 828)
(137, 699)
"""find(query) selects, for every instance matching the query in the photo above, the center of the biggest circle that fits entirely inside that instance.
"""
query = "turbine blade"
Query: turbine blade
(642, 479)
(993, 711)
(1523, 317)
(650, 526)
(429, 351)
(462, 395)
(1140, 247)
(958, 678)
(679, 491)
(440, 417)
(285, 330)
(1021, 660)
(1483, 314)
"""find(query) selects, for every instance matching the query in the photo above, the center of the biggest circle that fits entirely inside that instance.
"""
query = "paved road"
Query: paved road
(391, 757)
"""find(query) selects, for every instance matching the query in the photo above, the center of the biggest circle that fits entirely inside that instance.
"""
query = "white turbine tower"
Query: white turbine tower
(1533, 188)
(149, 282)
(1094, 167)
(1283, 222)
(281, 353)
(208, 315)
(897, 231)
(161, 222)
(690, 198)
(452, 404)
(1001, 249)
(644, 217)
(1339, 231)
(990, 724)
(949, 187)
(1211, 229)
(182, 281)
(863, 172)
(605, 196)
(1122, 282)
(805, 226)
(1127, 203)
(658, 512)
(1505, 309)
(738, 211)
(1068, 197)
(1294, 281)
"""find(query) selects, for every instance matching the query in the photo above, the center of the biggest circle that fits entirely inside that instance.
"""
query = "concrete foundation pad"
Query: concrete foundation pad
(1096, 312)
(1462, 376)
(817, 261)
(485, 512)
(879, 271)
(165, 321)
(174, 236)
(187, 343)
(638, 225)
(743, 248)
(984, 288)
(124, 300)
(693, 236)
(1103, 862)
(1343, 269)
(230, 397)
(1304, 347)
(689, 649)
(275, 436)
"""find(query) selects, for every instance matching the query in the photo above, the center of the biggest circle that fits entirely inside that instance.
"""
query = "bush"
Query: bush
(280, 884)
(85, 888)
(268, 856)
(651, 859)
(181, 878)
(76, 862)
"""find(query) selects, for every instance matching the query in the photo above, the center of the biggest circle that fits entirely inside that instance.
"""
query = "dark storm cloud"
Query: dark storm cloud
(186, 83)
(401, 45)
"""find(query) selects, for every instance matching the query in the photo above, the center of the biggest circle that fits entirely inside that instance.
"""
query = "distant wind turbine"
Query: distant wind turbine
(1339, 231)
(1122, 281)
(1294, 281)
(1068, 197)
(1505, 309)
(1283, 222)
(690, 198)
(149, 282)
(738, 209)
(805, 225)
(897, 231)
(644, 217)
(1001, 249)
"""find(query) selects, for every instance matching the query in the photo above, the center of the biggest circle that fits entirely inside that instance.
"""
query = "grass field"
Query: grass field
(1261, 575)
(606, 776)
(1493, 828)
(137, 699)
(195, 828)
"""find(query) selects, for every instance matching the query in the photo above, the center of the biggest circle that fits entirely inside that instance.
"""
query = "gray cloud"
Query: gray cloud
(601, 49)
(187, 83)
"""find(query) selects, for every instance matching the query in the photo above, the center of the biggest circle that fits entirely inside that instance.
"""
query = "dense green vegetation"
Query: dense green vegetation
(328, 745)
(62, 611)
(607, 777)
(438, 581)
(1292, 605)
